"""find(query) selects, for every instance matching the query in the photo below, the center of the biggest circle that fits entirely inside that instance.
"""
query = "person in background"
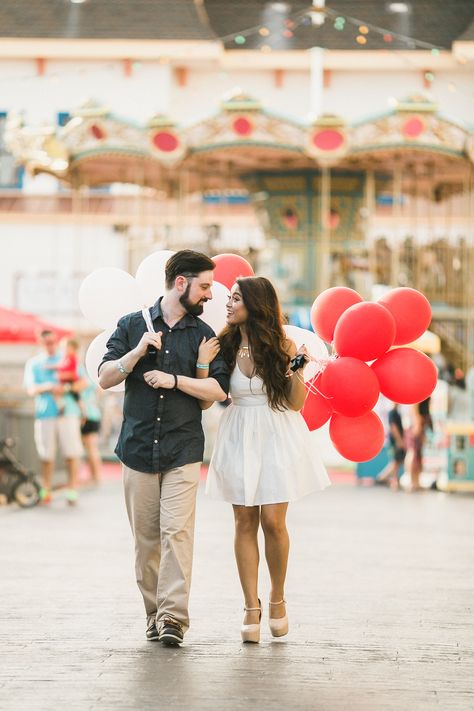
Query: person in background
(51, 426)
(396, 434)
(421, 422)
(90, 428)
(68, 373)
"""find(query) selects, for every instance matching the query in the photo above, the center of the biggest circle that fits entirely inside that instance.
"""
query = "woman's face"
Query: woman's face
(237, 314)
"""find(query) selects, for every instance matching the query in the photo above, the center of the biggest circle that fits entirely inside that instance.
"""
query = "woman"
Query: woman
(264, 456)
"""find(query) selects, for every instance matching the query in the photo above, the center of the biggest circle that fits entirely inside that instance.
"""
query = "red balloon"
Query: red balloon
(351, 385)
(364, 331)
(328, 306)
(317, 409)
(411, 311)
(357, 438)
(229, 267)
(405, 375)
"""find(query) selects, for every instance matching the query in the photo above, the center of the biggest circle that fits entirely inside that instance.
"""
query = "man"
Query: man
(57, 415)
(161, 442)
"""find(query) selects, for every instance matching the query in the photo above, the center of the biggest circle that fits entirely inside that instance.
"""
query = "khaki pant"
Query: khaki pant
(161, 510)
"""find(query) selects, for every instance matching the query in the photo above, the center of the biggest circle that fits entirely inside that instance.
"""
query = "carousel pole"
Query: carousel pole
(468, 270)
(397, 217)
(318, 267)
(323, 276)
(369, 199)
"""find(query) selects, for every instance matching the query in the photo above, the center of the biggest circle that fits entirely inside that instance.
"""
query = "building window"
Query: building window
(63, 117)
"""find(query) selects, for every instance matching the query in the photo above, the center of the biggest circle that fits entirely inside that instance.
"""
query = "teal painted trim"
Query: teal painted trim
(428, 148)
(238, 144)
(112, 149)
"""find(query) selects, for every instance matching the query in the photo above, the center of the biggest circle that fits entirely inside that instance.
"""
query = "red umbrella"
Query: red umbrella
(18, 327)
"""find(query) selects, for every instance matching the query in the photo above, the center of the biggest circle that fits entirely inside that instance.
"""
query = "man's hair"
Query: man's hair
(46, 332)
(187, 263)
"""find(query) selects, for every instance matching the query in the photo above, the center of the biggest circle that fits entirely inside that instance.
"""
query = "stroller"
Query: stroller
(16, 482)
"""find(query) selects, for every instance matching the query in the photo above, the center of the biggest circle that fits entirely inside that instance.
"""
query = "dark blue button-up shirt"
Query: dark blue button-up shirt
(162, 428)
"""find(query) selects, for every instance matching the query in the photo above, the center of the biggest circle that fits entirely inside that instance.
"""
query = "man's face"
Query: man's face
(197, 290)
(49, 343)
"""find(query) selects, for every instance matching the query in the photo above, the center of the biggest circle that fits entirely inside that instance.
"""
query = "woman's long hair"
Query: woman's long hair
(267, 340)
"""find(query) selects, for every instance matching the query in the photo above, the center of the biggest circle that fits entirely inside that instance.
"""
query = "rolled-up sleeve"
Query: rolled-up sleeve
(220, 372)
(118, 344)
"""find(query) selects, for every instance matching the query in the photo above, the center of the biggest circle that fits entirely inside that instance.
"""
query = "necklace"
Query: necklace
(243, 352)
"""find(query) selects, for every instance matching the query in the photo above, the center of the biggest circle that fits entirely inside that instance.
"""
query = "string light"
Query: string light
(360, 39)
(264, 32)
(239, 39)
(429, 76)
(435, 52)
(387, 37)
(364, 30)
(339, 23)
(287, 33)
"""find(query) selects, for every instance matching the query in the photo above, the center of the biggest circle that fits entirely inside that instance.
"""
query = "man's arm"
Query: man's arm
(111, 374)
(203, 389)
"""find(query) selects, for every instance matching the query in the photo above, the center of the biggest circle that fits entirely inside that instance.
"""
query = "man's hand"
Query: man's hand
(148, 339)
(157, 379)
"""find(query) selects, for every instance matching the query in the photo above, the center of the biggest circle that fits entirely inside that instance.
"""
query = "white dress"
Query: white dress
(262, 456)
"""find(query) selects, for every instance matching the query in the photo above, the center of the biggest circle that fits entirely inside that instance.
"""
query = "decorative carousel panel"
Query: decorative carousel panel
(233, 128)
(410, 130)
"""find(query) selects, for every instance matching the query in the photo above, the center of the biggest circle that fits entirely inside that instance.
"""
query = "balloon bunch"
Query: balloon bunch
(108, 293)
(363, 335)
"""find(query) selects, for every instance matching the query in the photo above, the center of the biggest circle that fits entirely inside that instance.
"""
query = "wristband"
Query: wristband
(120, 367)
(175, 381)
(202, 366)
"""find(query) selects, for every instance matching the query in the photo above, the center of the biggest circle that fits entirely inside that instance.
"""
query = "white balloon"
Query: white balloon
(151, 275)
(94, 356)
(108, 293)
(214, 310)
(315, 346)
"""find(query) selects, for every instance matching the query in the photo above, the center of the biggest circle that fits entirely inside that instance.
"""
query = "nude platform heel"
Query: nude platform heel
(278, 625)
(251, 633)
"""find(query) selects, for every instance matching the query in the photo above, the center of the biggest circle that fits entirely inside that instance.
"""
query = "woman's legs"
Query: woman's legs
(247, 519)
(277, 546)
(94, 460)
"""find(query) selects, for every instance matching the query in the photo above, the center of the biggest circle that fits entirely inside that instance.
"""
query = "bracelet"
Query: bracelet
(120, 367)
(202, 366)
(175, 381)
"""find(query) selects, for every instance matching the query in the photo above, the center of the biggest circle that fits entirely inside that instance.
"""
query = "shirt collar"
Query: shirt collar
(188, 320)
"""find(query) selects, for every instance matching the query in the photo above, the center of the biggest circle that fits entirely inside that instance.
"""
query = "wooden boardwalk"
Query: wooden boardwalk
(380, 591)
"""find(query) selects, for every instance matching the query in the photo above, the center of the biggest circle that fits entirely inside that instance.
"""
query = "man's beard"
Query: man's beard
(193, 309)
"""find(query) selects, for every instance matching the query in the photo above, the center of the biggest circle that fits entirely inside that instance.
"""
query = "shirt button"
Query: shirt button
(161, 397)
(156, 441)
(158, 419)
(166, 351)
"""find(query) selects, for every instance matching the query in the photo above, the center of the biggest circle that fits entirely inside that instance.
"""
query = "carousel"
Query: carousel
(383, 203)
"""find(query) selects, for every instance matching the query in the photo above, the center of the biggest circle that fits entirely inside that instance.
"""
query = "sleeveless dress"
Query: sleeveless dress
(262, 456)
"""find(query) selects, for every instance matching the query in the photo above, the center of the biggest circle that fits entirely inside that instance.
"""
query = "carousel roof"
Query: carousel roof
(96, 147)
(434, 21)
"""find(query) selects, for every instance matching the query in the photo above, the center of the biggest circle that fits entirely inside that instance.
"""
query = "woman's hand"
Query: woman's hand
(208, 350)
(302, 350)
(157, 379)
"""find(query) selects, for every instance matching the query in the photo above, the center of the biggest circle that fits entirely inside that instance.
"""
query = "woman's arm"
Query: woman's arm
(297, 390)
(206, 354)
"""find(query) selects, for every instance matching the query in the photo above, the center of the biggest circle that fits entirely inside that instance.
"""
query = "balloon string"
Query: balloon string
(310, 386)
